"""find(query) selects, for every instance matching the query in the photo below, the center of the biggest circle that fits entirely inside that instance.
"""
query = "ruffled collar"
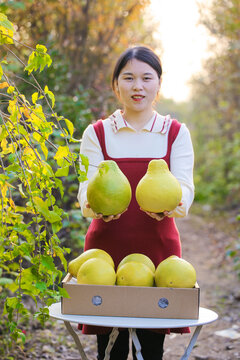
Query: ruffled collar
(157, 123)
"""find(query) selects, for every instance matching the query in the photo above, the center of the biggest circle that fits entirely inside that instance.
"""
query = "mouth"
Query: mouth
(137, 97)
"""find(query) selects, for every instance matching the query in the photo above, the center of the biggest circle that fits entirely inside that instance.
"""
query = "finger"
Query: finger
(108, 218)
(148, 213)
(153, 215)
(160, 217)
(156, 216)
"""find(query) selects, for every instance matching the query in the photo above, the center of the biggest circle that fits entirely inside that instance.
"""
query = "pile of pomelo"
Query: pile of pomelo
(96, 267)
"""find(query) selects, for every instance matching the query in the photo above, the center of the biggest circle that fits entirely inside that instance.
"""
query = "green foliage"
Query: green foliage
(75, 105)
(38, 59)
(33, 167)
(6, 30)
(87, 37)
(215, 115)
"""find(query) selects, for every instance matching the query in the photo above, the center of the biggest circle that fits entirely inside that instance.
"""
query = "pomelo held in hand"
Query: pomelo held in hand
(109, 191)
(96, 271)
(76, 263)
(134, 274)
(138, 258)
(175, 272)
(158, 190)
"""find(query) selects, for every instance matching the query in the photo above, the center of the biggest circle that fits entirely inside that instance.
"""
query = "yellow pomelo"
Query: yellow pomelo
(158, 190)
(137, 257)
(135, 274)
(175, 272)
(76, 263)
(109, 191)
(96, 271)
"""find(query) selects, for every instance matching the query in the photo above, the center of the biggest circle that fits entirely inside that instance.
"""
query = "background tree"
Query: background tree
(32, 166)
(216, 104)
(83, 38)
(39, 170)
(86, 36)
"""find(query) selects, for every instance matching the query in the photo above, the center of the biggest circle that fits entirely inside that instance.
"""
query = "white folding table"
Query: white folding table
(206, 316)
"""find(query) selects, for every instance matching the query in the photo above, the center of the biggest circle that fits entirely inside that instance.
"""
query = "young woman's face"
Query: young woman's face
(137, 86)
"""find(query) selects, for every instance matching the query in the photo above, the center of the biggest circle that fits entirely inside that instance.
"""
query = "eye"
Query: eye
(147, 78)
(128, 78)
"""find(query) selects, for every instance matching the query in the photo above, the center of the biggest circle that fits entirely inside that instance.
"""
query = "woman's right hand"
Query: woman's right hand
(103, 217)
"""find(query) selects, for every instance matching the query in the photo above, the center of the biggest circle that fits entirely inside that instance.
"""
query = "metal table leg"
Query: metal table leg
(111, 341)
(114, 335)
(192, 343)
(76, 339)
(136, 344)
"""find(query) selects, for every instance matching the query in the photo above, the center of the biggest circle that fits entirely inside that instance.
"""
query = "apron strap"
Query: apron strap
(172, 134)
(99, 130)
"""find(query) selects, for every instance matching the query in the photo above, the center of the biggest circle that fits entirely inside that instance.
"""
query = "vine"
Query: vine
(31, 170)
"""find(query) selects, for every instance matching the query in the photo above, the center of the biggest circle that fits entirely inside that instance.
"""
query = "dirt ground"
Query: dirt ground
(203, 244)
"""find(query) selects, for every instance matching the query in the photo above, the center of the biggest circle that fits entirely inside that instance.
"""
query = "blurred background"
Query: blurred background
(198, 42)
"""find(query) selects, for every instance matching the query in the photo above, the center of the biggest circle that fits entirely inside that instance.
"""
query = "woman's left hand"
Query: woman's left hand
(157, 216)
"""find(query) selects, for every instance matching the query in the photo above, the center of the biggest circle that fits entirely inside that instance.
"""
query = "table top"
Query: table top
(206, 316)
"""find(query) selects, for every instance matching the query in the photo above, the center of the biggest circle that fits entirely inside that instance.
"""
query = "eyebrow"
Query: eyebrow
(129, 73)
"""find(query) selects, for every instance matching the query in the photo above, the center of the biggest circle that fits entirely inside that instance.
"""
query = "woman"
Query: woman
(132, 137)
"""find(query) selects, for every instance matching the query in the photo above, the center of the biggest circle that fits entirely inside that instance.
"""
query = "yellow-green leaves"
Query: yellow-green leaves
(6, 30)
(62, 171)
(40, 139)
(82, 175)
(35, 153)
(84, 161)
(50, 94)
(34, 97)
(62, 157)
(69, 126)
(63, 152)
(43, 208)
(38, 59)
(10, 90)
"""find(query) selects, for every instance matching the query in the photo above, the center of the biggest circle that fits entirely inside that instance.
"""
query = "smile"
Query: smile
(138, 97)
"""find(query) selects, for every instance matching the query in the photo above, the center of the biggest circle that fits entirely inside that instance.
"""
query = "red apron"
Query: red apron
(134, 231)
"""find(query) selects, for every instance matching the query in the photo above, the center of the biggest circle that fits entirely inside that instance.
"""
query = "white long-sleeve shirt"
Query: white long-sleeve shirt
(123, 141)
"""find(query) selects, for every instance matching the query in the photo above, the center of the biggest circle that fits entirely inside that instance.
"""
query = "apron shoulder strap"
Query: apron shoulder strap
(99, 130)
(173, 132)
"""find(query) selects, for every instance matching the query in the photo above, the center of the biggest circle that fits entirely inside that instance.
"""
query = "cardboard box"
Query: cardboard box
(133, 301)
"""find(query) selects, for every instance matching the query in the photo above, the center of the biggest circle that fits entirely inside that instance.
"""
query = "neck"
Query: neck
(137, 119)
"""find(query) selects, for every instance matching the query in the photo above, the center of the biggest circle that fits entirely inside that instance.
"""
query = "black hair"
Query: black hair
(141, 53)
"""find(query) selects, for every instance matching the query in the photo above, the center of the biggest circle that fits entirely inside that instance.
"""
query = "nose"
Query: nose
(137, 85)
